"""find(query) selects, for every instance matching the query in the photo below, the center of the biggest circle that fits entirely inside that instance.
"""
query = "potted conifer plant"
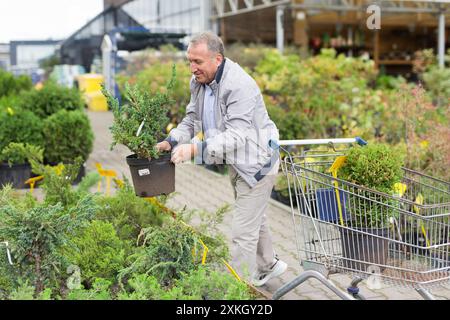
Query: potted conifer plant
(376, 168)
(14, 166)
(139, 125)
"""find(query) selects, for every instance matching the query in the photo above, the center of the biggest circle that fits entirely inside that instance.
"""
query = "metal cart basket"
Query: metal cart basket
(405, 240)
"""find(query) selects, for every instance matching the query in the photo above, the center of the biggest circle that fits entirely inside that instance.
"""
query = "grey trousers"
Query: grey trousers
(251, 248)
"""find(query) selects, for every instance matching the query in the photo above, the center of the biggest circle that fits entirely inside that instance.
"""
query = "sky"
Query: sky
(44, 19)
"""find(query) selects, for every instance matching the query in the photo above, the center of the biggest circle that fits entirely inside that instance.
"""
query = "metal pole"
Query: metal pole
(441, 39)
(280, 28)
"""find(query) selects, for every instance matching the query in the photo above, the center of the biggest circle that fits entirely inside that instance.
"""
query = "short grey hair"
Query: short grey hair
(213, 41)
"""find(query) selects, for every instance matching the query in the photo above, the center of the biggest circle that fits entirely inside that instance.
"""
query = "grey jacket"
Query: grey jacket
(244, 127)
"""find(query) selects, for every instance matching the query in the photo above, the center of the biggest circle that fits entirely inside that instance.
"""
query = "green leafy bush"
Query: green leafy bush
(327, 95)
(57, 184)
(25, 291)
(11, 85)
(51, 99)
(141, 287)
(208, 284)
(97, 251)
(203, 283)
(145, 111)
(127, 213)
(10, 103)
(165, 252)
(206, 227)
(19, 153)
(24, 127)
(37, 234)
(67, 134)
(437, 82)
(375, 166)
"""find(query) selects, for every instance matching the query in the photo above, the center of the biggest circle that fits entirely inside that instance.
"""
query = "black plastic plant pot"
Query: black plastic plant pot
(361, 250)
(15, 175)
(152, 177)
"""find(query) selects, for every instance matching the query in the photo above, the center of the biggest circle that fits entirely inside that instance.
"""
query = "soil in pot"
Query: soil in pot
(365, 249)
(152, 177)
(15, 175)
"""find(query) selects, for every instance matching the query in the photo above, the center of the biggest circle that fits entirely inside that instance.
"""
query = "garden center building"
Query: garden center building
(404, 26)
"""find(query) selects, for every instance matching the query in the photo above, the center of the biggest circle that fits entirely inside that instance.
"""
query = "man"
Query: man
(227, 107)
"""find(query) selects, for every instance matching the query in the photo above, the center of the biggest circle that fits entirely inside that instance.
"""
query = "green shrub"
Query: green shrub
(97, 251)
(37, 234)
(327, 95)
(24, 127)
(10, 103)
(437, 82)
(11, 85)
(19, 153)
(208, 284)
(51, 99)
(57, 184)
(27, 292)
(248, 56)
(127, 213)
(142, 287)
(385, 82)
(8, 275)
(100, 291)
(144, 113)
(67, 135)
(375, 166)
(165, 253)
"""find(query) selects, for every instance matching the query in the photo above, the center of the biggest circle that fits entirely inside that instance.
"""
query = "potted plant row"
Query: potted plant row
(139, 124)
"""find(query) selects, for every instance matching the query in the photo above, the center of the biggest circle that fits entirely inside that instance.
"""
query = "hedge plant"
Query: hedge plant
(129, 214)
(51, 99)
(377, 167)
(67, 134)
(21, 127)
(11, 85)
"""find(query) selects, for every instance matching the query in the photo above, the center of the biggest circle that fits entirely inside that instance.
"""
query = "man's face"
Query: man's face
(203, 63)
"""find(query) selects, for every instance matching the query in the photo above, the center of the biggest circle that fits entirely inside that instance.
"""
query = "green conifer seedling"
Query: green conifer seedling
(139, 123)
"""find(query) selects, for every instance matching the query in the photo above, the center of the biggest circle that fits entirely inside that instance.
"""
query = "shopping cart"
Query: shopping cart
(407, 242)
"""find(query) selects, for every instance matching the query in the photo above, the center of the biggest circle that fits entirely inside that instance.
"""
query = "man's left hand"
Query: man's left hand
(183, 153)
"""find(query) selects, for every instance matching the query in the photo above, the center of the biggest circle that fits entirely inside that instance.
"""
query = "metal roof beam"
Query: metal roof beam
(247, 6)
(363, 8)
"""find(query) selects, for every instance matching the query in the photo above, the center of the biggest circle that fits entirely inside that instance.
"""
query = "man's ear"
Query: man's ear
(219, 59)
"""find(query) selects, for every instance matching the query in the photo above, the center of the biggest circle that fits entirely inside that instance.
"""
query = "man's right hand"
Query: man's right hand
(163, 146)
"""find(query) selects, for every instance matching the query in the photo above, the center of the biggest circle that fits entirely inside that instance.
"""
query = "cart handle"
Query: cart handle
(274, 144)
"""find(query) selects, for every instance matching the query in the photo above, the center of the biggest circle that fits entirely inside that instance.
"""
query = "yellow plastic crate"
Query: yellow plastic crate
(96, 101)
(90, 82)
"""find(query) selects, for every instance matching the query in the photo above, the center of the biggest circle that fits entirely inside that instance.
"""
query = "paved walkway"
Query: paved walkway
(198, 188)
